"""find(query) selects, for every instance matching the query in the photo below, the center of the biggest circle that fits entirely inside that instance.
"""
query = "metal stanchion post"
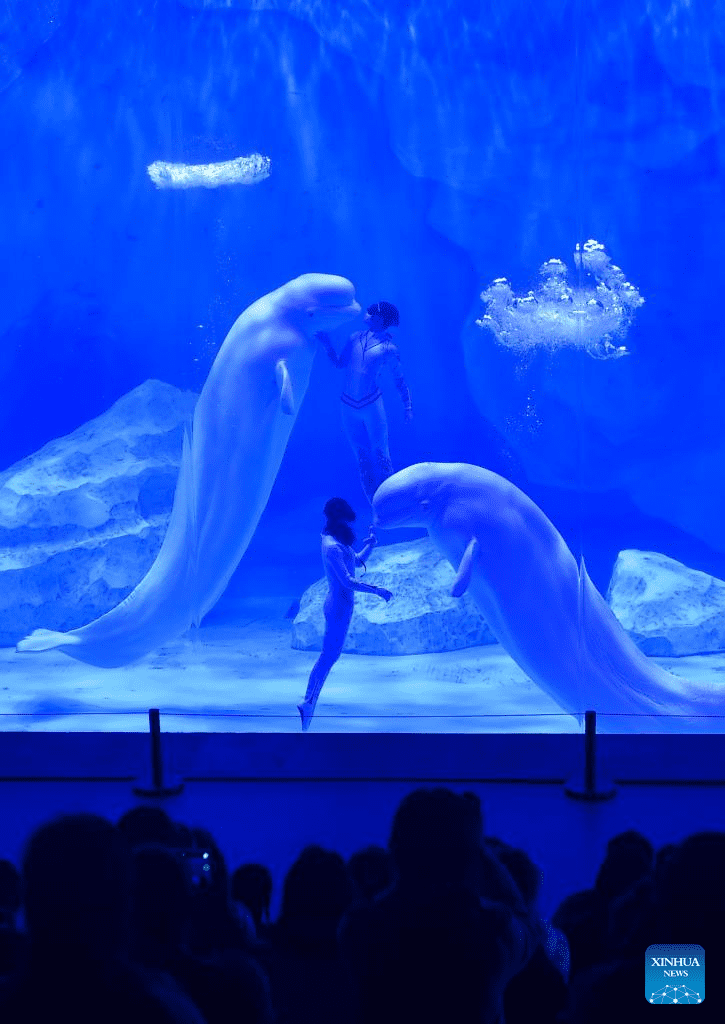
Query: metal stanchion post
(589, 791)
(157, 787)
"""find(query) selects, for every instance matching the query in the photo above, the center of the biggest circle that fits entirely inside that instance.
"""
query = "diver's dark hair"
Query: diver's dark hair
(339, 514)
(389, 313)
(338, 508)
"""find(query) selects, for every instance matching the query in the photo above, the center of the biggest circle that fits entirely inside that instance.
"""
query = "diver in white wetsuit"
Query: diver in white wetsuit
(339, 561)
(363, 411)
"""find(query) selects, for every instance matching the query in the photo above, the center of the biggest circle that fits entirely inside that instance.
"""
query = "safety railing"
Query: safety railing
(586, 784)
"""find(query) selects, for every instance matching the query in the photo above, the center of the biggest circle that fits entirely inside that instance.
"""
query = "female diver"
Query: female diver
(339, 561)
(363, 412)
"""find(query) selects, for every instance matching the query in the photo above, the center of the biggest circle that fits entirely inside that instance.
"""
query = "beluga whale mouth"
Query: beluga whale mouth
(539, 602)
(242, 422)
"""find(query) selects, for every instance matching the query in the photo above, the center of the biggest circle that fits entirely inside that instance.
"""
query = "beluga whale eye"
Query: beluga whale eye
(424, 502)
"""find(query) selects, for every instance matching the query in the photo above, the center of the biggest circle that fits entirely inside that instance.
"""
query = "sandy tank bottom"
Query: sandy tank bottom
(243, 676)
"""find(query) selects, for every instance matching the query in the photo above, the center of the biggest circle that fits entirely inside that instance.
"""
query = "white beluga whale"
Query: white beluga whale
(539, 602)
(242, 422)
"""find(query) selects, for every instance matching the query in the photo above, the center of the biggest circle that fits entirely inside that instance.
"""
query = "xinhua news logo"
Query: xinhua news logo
(675, 974)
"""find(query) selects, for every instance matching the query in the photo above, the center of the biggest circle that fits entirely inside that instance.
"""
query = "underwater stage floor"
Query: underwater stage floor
(244, 676)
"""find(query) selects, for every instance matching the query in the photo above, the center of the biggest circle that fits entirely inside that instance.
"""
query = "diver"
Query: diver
(339, 561)
(363, 411)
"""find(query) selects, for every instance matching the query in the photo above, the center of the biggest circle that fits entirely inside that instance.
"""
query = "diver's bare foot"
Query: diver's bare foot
(306, 711)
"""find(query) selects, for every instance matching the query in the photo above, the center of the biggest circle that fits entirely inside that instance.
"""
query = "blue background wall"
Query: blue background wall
(421, 149)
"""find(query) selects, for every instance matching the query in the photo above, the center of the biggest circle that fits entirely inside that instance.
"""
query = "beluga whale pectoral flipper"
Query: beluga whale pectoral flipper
(539, 602)
(465, 569)
(242, 422)
(286, 393)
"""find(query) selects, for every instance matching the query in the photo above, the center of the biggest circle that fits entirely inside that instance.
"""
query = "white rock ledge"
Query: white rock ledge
(82, 519)
(421, 618)
(668, 609)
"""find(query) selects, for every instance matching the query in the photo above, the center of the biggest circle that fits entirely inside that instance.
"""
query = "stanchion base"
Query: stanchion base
(578, 791)
(170, 787)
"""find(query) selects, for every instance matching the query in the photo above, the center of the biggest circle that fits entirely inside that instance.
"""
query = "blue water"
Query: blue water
(421, 150)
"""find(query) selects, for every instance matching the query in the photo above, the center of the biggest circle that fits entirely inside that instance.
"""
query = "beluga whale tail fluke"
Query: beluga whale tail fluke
(46, 640)
(539, 602)
(242, 422)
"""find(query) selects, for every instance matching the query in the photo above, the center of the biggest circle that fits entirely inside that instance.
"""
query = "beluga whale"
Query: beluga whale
(241, 425)
(539, 601)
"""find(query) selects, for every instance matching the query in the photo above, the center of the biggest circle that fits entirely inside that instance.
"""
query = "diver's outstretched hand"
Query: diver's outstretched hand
(371, 539)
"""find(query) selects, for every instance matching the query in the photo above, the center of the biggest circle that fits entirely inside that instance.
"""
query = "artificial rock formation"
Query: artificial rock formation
(668, 609)
(82, 519)
(421, 618)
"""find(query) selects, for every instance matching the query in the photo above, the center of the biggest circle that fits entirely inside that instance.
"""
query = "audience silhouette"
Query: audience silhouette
(77, 876)
(13, 943)
(227, 986)
(680, 900)
(538, 992)
(137, 923)
(372, 871)
(252, 888)
(452, 930)
(305, 970)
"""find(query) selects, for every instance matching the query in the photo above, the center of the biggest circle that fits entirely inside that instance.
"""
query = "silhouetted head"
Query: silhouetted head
(338, 514)
(161, 897)
(184, 835)
(522, 869)
(631, 841)
(662, 859)
(384, 313)
(630, 856)
(213, 923)
(10, 889)
(691, 887)
(318, 885)
(582, 917)
(77, 876)
(436, 835)
(252, 886)
(146, 824)
(372, 870)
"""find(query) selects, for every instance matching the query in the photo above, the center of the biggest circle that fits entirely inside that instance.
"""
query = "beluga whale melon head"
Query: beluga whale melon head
(413, 496)
(314, 302)
(328, 300)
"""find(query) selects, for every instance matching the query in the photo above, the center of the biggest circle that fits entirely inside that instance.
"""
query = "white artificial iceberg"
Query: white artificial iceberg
(82, 520)
(668, 609)
(424, 618)
(244, 170)
(591, 315)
